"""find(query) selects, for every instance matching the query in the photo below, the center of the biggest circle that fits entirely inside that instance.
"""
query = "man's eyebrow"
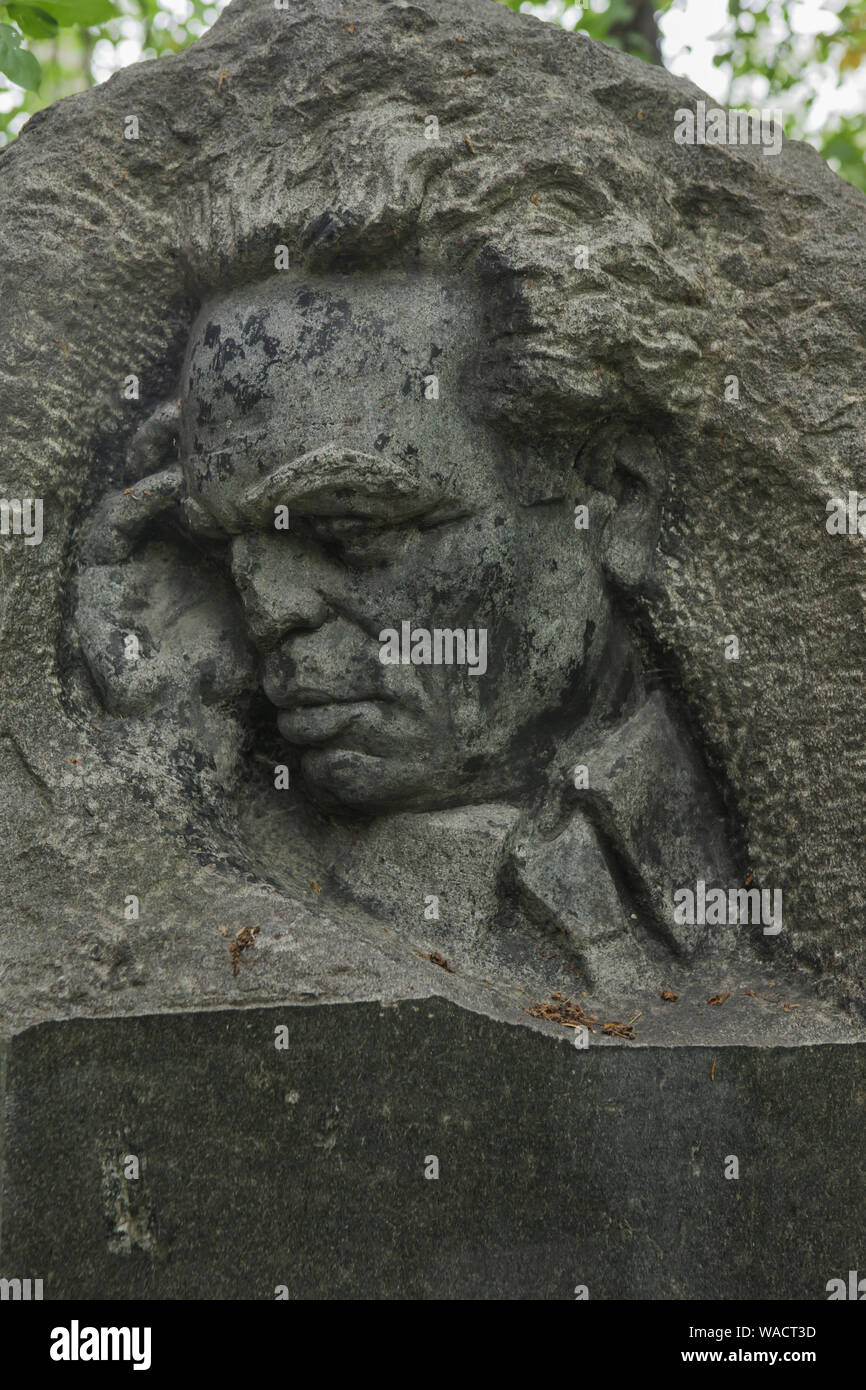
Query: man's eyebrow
(335, 481)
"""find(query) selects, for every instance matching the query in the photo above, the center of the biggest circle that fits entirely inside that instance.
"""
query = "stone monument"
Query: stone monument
(432, 622)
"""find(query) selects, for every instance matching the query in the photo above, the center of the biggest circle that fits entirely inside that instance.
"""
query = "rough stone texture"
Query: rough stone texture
(305, 128)
(305, 1167)
(456, 857)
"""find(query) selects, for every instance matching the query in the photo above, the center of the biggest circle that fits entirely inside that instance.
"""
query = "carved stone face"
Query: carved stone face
(354, 402)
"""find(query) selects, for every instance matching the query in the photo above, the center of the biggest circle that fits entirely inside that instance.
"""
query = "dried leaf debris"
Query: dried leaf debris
(622, 1030)
(245, 937)
(563, 1011)
(571, 1015)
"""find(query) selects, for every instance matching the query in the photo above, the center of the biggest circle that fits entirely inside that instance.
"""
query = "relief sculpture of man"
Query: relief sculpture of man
(433, 457)
(333, 466)
(431, 667)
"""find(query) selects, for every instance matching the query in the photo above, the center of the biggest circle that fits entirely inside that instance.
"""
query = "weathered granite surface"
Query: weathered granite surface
(303, 1170)
(305, 130)
(257, 290)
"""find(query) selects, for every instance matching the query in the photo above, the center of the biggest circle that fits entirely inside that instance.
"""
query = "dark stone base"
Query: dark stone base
(305, 1167)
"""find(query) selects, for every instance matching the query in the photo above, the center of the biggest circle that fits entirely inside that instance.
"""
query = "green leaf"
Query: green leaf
(36, 23)
(85, 12)
(18, 65)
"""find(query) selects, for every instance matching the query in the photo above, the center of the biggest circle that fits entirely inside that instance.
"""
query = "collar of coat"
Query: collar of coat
(649, 822)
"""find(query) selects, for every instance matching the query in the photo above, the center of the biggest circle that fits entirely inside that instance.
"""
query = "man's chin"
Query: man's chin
(344, 778)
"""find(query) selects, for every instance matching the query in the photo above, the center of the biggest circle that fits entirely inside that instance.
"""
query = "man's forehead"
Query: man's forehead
(370, 365)
(301, 320)
(324, 351)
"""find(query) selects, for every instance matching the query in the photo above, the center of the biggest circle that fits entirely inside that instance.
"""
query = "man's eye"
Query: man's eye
(356, 542)
(344, 529)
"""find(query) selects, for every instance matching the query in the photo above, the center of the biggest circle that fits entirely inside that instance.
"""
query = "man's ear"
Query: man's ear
(636, 482)
(154, 444)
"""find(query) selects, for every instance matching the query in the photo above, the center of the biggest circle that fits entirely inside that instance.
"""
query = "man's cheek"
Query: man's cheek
(475, 567)
(428, 576)
(452, 577)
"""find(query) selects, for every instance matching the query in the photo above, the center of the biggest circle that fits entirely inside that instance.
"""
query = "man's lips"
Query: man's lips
(317, 720)
(309, 697)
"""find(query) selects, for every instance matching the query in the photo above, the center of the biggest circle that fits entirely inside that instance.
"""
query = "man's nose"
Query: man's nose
(280, 584)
